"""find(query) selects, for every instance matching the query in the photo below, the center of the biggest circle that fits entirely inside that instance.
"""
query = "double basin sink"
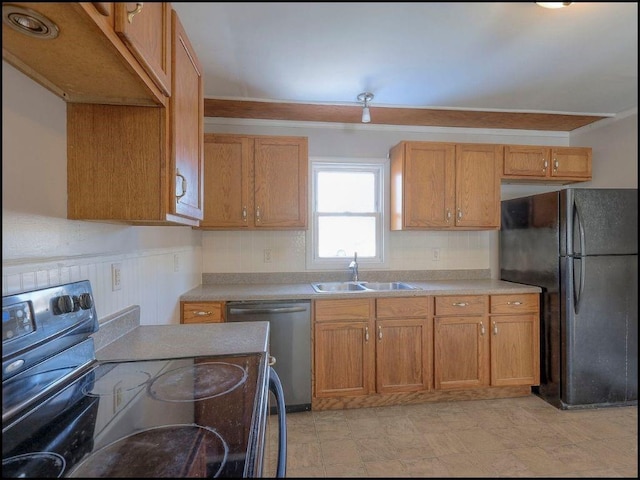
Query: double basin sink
(346, 287)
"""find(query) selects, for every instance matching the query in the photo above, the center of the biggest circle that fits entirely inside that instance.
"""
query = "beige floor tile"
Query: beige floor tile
(518, 437)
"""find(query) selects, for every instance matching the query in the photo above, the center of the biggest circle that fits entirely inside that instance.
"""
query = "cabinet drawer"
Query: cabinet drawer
(520, 302)
(203, 312)
(403, 307)
(344, 309)
(461, 305)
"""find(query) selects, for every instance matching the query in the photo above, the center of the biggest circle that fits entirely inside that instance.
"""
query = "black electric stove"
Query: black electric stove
(65, 414)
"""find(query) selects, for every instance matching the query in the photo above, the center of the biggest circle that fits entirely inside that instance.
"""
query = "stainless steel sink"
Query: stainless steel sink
(383, 286)
(338, 287)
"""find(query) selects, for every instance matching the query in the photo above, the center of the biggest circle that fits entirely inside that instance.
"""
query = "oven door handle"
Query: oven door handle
(275, 386)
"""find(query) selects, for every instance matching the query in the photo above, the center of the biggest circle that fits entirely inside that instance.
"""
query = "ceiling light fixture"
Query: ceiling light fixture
(553, 4)
(365, 98)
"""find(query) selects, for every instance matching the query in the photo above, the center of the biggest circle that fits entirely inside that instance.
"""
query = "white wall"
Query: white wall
(225, 252)
(40, 247)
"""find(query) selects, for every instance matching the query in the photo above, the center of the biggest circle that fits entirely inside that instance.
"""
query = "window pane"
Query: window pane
(346, 192)
(342, 236)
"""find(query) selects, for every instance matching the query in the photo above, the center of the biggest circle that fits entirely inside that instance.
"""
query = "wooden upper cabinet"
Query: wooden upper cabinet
(445, 185)
(528, 163)
(145, 27)
(254, 182)
(186, 108)
(140, 165)
(89, 62)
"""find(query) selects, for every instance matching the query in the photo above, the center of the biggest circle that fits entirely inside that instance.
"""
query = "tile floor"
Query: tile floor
(518, 437)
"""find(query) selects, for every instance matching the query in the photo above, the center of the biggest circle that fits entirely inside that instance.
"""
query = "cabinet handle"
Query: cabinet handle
(202, 314)
(481, 328)
(448, 215)
(495, 328)
(244, 213)
(545, 166)
(379, 332)
(459, 304)
(556, 164)
(517, 302)
(133, 13)
(183, 185)
(257, 214)
(272, 360)
(366, 334)
(459, 214)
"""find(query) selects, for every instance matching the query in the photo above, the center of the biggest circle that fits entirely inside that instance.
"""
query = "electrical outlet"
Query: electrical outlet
(435, 254)
(116, 276)
(267, 255)
(117, 396)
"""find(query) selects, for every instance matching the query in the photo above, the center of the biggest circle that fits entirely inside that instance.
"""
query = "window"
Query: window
(347, 213)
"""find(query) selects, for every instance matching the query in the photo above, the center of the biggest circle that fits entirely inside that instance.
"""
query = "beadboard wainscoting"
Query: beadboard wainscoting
(153, 279)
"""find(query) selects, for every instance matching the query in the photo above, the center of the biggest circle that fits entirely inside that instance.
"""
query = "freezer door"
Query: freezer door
(599, 221)
(599, 322)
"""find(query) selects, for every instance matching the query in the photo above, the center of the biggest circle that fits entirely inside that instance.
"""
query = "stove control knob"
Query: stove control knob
(85, 301)
(65, 304)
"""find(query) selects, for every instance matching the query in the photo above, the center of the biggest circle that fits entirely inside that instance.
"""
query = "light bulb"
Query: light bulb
(366, 115)
(553, 4)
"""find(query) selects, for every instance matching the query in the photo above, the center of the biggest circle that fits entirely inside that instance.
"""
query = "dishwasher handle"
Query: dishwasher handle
(268, 310)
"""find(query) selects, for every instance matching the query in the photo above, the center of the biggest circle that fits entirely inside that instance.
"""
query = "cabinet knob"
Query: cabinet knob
(133, 13)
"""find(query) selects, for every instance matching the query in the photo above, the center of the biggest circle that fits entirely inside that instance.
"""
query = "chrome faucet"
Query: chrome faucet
(354, 266)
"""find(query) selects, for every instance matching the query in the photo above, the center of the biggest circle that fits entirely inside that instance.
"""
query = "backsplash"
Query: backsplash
(152, 279)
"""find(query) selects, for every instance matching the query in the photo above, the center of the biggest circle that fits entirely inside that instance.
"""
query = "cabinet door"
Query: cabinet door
(280, 182)
(343, 359)
(514, 356)
(461, 352)
(478, 170)
(227, 170)
(571, 162)
(146, 30)
(428, 178)
(187, 124)
(526, 161)
(402, 355)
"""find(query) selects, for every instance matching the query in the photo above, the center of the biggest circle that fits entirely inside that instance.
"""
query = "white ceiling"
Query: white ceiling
(472, 56)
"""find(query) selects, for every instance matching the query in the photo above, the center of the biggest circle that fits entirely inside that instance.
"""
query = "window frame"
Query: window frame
(380, 168)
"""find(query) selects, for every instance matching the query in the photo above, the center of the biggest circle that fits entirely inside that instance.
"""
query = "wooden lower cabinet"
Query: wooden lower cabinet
(202, 312)
(367, 346)
(486, 340)
(403, 344)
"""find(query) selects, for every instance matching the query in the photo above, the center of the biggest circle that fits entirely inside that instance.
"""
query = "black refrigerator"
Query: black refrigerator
(581, 247)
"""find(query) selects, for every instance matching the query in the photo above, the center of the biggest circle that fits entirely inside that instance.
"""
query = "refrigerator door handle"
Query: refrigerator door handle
(579, 285)
(580, 226)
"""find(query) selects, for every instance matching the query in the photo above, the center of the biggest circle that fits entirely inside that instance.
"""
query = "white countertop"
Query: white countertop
(150, 342)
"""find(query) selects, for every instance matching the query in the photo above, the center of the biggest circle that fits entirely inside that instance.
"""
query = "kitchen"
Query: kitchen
(158, 264)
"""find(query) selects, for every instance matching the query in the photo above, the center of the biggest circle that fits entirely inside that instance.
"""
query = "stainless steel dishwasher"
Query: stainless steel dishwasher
(289, 342)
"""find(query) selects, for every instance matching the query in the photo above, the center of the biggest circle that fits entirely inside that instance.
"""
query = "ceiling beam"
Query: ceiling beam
(302, 112)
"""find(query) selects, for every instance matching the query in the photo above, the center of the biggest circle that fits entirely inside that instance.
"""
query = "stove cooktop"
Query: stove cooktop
(187, 417)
